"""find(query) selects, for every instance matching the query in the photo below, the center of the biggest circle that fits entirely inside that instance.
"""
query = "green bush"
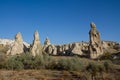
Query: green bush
(73, 64)
(13, 64)
(63, 64)
(108, 65)
(38, 62)
(106, 56)
(27, 59)
(2, 60)
(94, 69)
(41, 61)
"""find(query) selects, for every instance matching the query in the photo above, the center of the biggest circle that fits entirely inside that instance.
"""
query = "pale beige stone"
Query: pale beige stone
(51, 49)
(77, 49)
(47, 41)
(36, 48)
(18, 46)
(95, 45)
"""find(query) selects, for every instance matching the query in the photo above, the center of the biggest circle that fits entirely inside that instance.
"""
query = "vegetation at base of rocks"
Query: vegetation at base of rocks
(106, 56)
(113, 58)
(73, 64)
(27, 61)
(94, 70)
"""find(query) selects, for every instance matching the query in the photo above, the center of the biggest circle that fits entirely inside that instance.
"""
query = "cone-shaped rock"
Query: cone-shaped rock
(95, 45)
(46, 44)
(47, 41)
(18, 46)
(36, 48)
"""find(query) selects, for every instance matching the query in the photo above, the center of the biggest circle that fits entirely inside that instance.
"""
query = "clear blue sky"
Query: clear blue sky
(63, 21)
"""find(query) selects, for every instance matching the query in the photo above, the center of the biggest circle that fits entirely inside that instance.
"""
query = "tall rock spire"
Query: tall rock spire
(18, 46)
(36, 48)
(95, 45)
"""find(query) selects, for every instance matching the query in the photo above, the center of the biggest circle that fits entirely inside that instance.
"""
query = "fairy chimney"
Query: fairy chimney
(36, 47)
(18, 46)
(95, 45)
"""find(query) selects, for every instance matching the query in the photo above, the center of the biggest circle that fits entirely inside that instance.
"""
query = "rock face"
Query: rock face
(78, 48)
(18, 46)
(49, 48)
(110, 47)
(95, 44)
(36, 47)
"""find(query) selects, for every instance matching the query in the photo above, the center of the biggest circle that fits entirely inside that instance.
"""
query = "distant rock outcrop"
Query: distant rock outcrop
(9, 42)
(95, 44)
(47, 42)
(110, 47)
(36, 48)
(18, 46)
(49, 48)
(78, 48)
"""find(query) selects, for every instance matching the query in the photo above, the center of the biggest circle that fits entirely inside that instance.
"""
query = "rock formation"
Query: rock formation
(77, 49)
(36, 48)
(46, 44)
(94, 48)
(18, 46)
(49, 48)
(47, 41)
(95, 44)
